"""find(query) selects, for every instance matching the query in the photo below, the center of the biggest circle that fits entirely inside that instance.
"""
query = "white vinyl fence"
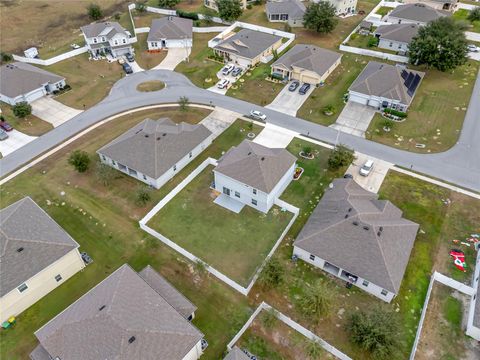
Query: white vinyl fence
(373, 53)
(52, 60)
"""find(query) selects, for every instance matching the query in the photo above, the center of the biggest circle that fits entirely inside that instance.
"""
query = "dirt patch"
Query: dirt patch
(148, 86)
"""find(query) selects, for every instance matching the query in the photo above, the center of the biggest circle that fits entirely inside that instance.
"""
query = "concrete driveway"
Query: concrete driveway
(273, 136)
(354, 119)
(288, 102)
(229, 77)
(374, 180)
(16, 140)
(53, 111)
(174, 57)
(219, 119)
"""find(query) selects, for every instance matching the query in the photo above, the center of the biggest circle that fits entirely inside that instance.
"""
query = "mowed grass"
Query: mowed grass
(148, 86)
(30, 125)
(462, 16)
(145, 59)
(436, 115)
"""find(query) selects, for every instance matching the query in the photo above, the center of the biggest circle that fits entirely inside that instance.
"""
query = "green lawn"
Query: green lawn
(31, 125)
(383, 10)
(462, 15)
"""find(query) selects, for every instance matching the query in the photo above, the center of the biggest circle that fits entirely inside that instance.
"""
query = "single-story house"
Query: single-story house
(396, 36)
(306, 63)
(288, 11)
(416, 13)
(123, 317)
(153, 151)
(237, 354)
(170, 32)
(385, 86)
(24, 82)
(254, 175)
(473, 320)
(212, 4)
(107, 37)
(448, 5)
(343, 7)
(358, 238)
(36, 256)
(247, 47)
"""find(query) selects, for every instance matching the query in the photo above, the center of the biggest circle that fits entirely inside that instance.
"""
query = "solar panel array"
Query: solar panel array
(414, 84)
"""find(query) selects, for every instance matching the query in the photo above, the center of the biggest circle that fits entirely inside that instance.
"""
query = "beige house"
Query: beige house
(36, 256)
(306, 63)
(212, 4)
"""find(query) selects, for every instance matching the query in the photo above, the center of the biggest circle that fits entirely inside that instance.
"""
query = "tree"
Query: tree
(80, 160)
(104, 173)
(474, 15)
(5, 57)
(94, 11)
(441, 44)
(273, 273)
(229, 10)
(22, 109)
(376, 331)
(317, 301)
(142, 195)
(340, 156)
(184, 103)
(169, 4)
(320, 17)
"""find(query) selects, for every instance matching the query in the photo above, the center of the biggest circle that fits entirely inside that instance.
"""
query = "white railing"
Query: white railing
(209, 29)
(161, 11)
(373, 53)
(52, 60)
(142, 30)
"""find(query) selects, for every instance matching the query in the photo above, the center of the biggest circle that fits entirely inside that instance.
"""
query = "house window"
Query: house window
(124, 41)
(58, 277)
(174, 167)
(94, 40)
(22, 287)
(116, 42)
(103, 39)
(254, 202)
(312, 257)
(114, 163)
(391, 44)
(104, 158)
(237, 194)
(365, 283)
(254, 191)
(226, 191)
(190, 154)
(384, 292)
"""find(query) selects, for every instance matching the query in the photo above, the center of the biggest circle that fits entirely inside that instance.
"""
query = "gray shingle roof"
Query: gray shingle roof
(379, 256)
(236, 354)
(418, 12)
(308, 57)
(25, 225)
(398, 32)
(167, 291)
(384, 80)
(247, 43)
(39, 353)
(170, 28)
(102, 324)
(294, 8)
(154, 146)
(255, 165)
(20, 78)
(108, 29)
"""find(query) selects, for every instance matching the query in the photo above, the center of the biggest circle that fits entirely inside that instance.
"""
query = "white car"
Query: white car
(366, 168)
(222, 84)
(227, 69)
(472, 48)
(258, 115)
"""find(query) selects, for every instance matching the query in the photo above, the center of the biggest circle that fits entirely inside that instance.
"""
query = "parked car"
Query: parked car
(227, 69)
(473, 48)
(5, 126)
(304, 88)
(293, 86)
(130, 57)
(127, 68)
(222, 84)
(3, 135)
(258, 115)
(366, 168)
(237, 71)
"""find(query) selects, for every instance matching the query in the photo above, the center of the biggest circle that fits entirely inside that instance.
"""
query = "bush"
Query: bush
(400, 114)
(307, 150)
(169, 4)
(372, 41)
(142, 195)
(340, 156)
(5, 57)
(273, 273)
(117, 16)
(80, 160)
(94, 11)
(269, 318)
(22, 109)
(249, 6)
(474, 15)
(287, 28)
(187, 15)
(317, 301)
(104, 173)
(67, 87)
(140, 7)
(314, 350)
(184, 103)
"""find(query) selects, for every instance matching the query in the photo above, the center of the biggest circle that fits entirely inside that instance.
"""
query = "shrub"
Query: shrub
(272, 274)
(170, 4)
(104, 173)
(22, 109)
(142, 195)
(249, 6)
(184, 103)
(117, 16)
(5, 57)
(307, 150)
(372, 41)
(287, 27)
(269, 318)
(94, 11)
(187, 15)
(329, 109)
(67, 87)
(140, 7)
(314, 350)
(80, 160)
(340, 156)
(474, 15)
(387, 123)
(317, 301)
(400, 114)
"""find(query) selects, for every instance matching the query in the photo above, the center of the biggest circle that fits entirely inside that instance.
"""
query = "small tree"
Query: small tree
(474, 14)
(140, 7)
(169, 4)
(142, 195)
(320, 17)
(317, 301)
(273, 273)
(376, 331)
(340, 156)
(307, 150)
(184, 103)
(5, 57)
(94, 11)
(22, 109)
(104, 173)
(80, 160)
(229, 10)
(372, 41)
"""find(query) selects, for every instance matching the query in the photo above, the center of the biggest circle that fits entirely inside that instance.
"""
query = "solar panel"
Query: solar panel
(404, 74)
(409, 80)
(413, 86)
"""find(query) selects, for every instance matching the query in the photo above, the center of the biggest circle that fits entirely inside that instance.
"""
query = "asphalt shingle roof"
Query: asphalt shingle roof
(294, 8)
(236, 354)
(377, 248)
(21, 78)
(170, 28)
(398, 32)
(24, 225)
(418, 12)
(255, 165)
(154, 146)
(108, 29)
(120, 318)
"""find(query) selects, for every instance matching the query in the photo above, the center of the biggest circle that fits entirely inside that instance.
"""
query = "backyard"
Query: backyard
(30, 125)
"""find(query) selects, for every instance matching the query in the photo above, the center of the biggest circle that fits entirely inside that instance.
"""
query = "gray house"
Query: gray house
(24, 82)
(170, 32)
(123, 317)
(288, 11)
(106, 37)
(385, 86)
(153, 151)
(417, 13)
(237, 354)
(396, 37)
(358, 238)
(306, 63)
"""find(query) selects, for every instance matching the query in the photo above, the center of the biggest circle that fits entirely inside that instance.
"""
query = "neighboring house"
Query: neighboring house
(385, 86)
(247, 47)
(170, 32)
(473, 320)
(123, 317)
(288, 11)
(237, 354)
(107, 37)
(24, 82)
(396, 37)
(153, 151)
(343, 7)
(358, 238)
(36, 256)
(306, 63)
(254, 175)
(448, 5)
(212, 4)
(417, 13)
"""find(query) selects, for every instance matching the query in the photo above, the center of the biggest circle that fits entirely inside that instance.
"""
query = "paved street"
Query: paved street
(459, 165)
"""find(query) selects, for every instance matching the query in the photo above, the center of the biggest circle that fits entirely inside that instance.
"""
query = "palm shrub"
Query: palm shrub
(317, 301)
(80, 160)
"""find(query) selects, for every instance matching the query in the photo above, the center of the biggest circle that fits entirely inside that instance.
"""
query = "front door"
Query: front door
(226, 191)
(164, 43)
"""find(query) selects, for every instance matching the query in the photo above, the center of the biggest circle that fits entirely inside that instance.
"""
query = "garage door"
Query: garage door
(357, 99)
(373, 103)
(309, 79)
(36, 94)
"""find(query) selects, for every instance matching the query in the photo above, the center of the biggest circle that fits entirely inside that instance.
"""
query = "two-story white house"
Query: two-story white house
(153, 151)
(107, 37)
(343, 7)
(254, 175)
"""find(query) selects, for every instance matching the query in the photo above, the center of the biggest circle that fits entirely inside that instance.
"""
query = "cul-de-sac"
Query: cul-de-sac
(239, 179)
